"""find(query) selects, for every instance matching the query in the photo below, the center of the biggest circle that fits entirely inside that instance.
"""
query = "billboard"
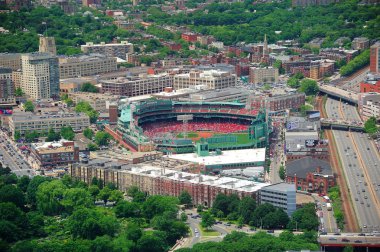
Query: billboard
(311, 143)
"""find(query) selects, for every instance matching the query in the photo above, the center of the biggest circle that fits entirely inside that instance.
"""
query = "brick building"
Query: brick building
(310, 175)
(54, 154)
(158, 181)
(371, 84)
(189, 37)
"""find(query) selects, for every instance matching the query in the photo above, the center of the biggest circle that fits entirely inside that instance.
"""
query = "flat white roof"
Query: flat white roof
(227, 157)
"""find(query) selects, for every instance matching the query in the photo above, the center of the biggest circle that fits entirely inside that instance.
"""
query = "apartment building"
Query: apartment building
(86, 65)
(6, 84)
(135, 86)
(370, 84)
(26, 122)
(158, 181)
(40, 75)
(369, 105)
(263, 75)
(360, 43)
(118, 50)
(50, 155)
(11, 60)
(213, 79)
(99, 102)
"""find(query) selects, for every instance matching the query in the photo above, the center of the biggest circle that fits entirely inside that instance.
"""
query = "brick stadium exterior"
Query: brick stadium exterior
(130, 133)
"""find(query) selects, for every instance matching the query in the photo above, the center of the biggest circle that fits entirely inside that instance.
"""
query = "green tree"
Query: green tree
(309, 87)
(28, 106)
(88, 87)
(92, 147)
(246, 207)
(53, 136)
(207, 220)
(23, 183)
(67, 133)
(158, 204)
(49, 196)
(125, 209)
(88, 223)
(32, 189)
(305, 218)
(86, 108)
(76, 197)
(370, 125)
(281, 172)
(185, 198)
(357, 63)
(13, 194)
(17, 135)
(102, 138)
(183, 217)
(105, 194)
(151, 242)
(19, 92)
(88, 133)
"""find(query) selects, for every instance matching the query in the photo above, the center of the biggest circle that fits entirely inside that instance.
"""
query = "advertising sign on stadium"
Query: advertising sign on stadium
(311, 143)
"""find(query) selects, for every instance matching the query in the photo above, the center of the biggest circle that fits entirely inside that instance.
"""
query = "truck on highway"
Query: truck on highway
(328, 205)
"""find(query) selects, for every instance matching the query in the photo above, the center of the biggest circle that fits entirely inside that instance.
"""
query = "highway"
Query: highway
(358, 166)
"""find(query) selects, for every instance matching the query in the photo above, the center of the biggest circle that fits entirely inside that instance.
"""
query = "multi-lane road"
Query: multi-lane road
(11, 157)
(359, 160)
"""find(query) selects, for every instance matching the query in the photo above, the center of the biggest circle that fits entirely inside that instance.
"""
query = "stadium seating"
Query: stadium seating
(158, 128)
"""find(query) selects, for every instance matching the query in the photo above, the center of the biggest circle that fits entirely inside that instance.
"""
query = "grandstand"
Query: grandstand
(226, 126)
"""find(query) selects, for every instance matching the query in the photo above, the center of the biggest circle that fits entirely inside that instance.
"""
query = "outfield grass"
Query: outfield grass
(189, 135)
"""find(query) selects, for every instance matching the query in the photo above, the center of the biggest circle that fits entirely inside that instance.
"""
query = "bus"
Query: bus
(328, 205)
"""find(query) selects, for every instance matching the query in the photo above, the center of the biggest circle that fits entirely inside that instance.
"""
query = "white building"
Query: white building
(40, 75)
(263, 75)
(118, 50)
(213, 79)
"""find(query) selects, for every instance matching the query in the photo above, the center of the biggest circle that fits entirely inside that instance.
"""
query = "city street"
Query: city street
(11, 156)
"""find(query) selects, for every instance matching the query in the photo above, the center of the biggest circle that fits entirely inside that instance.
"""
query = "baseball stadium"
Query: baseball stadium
(175, 127)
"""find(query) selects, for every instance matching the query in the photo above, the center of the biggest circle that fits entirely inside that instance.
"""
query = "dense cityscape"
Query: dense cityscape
(189, 125)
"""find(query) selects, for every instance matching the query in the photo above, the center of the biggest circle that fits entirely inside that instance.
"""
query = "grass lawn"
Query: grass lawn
(209, 232)
(189, 135)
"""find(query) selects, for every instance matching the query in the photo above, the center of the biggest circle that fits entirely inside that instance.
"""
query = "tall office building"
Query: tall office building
(47, 45)
(40, 75)
(375, 58)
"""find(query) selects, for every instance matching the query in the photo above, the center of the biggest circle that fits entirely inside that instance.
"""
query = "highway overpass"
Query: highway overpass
(344, 95)
(350, 239)
(342, 125)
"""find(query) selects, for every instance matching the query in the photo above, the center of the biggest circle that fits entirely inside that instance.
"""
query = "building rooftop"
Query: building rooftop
(209, 94)
(301, 167)
(155, 171)
(284, 187)
(53, 147)
(22, 116)
(227, 157)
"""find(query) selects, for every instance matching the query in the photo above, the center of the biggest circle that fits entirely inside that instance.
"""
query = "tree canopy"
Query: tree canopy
(370, 126)
(88, 87)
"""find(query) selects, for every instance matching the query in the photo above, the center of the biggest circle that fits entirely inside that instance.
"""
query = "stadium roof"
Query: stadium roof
(227, 157)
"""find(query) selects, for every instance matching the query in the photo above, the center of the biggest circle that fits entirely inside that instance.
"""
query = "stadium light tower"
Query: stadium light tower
(185, 120)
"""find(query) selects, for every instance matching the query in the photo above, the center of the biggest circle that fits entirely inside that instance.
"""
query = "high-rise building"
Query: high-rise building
(40, 75)
(375, 58)
(6, 83)
(47, 45)
(10, 60)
